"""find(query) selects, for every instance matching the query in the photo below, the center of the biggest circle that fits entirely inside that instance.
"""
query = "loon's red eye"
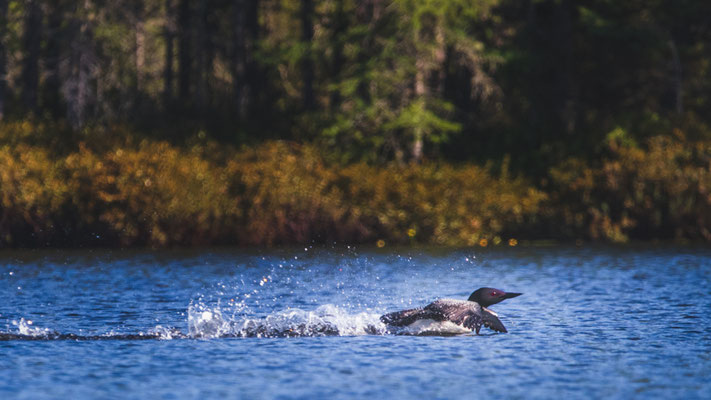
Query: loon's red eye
(494, 293)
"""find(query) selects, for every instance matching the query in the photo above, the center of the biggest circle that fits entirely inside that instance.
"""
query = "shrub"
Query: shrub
(32, 196)
(158, 194)
(659, 191)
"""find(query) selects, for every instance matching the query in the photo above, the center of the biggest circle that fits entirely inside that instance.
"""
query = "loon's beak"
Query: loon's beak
(511, 295)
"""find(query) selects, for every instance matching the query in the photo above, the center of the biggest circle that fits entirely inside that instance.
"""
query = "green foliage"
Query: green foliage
(104, 103)
(619, 137)
(396, 99)
(660, 191)
(416, 116)
(402, 80)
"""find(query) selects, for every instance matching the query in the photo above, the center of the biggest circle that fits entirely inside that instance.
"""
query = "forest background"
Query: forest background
(460, 122)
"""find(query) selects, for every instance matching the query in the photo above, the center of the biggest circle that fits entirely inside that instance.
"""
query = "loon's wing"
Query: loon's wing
(440, 310)
(465, 313)
(491, 321)
(468, 314)
(406, 317)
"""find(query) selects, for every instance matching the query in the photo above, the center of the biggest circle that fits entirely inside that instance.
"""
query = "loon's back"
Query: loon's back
(460, 313)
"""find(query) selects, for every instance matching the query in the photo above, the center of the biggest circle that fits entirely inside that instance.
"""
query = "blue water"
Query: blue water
(303, 323)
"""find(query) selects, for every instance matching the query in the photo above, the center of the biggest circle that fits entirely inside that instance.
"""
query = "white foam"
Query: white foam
(25, 327)
(325, 320)
(166, 333)
(204, 322)
(429, 326)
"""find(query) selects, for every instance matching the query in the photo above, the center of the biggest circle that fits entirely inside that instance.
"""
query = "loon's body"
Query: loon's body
(453, 316)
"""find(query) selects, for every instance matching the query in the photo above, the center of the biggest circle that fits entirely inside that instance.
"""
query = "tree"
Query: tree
(79, 67)
(203, 53)
(32, 39)
(378, 80)
(245, 32)
(307, 64)
(169, 37)
(339, 25)
(3, 56)
(394, 102)
(185, 48)
(140, 42)
(55, 48)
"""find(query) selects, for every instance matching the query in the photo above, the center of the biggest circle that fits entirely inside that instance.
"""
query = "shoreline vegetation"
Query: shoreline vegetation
(124, 190)
(169, 123)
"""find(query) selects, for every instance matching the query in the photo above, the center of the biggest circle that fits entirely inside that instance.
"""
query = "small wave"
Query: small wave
(205, 322)
(28, 332)
(9, 336)
(326, 320)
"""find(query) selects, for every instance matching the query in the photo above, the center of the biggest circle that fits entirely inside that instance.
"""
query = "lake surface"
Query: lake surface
(303, 323)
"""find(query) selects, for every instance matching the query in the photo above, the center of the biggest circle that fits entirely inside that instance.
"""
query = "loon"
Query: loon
(461, 315)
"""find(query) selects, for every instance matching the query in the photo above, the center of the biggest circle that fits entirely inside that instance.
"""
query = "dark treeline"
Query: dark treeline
(170, 122)
(376, 80)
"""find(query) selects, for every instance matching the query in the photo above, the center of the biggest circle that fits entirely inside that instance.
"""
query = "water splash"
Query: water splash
(206, 322)
(27, 332)
(166, 333)
(325, 320)
(25, 327)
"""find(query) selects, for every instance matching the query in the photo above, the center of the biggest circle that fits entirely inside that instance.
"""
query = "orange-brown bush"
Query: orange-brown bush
(125, 191)
(160, 195)
(32, 195)
(289, 194)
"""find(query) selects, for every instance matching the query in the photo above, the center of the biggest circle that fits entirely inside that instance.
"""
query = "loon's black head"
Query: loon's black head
(487, 296)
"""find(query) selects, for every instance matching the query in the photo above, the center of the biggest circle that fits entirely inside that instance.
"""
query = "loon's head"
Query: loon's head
(487, 296)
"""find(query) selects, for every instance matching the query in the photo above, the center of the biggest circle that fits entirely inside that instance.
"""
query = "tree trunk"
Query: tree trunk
(238, 56)
(440, 57)
(368, 13)
(140, 38)
(532, 137)
(339, 28)
(565, 96)
(55, 36)
(253, 78)
(3, 56)
(168, 67)
(245, 32)
(202, 57)
(677, 78)
(32, 40)
(420, 96)
(185, 55)
(307, 64)
(79, 68)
